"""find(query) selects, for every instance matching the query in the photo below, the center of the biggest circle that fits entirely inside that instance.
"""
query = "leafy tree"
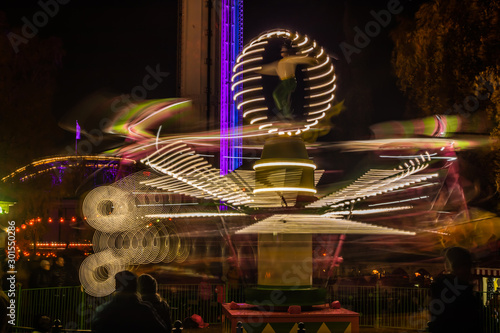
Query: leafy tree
(439, 53)
(446, 61)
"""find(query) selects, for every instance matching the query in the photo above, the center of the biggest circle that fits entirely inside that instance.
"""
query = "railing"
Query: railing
(384, 307)
(70, 304)
(400, 308)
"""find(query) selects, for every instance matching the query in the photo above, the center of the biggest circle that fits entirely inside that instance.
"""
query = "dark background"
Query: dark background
(108, 45)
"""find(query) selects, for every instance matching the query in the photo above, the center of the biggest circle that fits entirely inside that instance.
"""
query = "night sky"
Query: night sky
(108, 45)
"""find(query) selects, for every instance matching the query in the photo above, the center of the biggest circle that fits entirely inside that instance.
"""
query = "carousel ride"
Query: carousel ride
(284, 87)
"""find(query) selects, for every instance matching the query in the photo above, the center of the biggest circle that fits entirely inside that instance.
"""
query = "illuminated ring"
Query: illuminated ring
(108, 208)
(162, 241)
(151, 244)
(179, 246)
(133, 246)
(319, 82)
(147, 252)
(97, 273)
(100, 241)
(184, 248)
(174, 244)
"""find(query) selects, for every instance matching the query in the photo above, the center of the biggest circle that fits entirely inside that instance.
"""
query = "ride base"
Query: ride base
(318, 319)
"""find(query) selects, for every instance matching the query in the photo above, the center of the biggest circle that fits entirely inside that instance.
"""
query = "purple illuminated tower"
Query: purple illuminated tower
(230, 120)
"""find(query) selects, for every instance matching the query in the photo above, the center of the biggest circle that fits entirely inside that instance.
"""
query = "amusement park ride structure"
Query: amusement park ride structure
(278, 196)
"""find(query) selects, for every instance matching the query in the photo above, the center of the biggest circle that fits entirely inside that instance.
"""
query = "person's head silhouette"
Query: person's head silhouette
(458, 262)
(147, 284)
(126, 282)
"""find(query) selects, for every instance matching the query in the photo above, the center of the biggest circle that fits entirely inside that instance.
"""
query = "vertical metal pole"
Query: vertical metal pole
(82, 309)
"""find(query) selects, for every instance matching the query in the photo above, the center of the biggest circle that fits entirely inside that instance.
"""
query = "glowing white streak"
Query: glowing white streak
(253, 78)
(322, 93)
(268, 164)
(195, 167)
(245, 91)
(245, 62)
(279, 32)
(248, 53)
(157, 152)
(162, 155)
(253, 121)
(304, 41)
(444, 158)
(320, 111)
(154, 114)
(186, 164)
(196, 139)
(306, 51)
(308, 69)
(372, 183)
(280, 189)
(323, 85)
(165, 161)
(245, 71)
(265, 125)
(210, 174)
(368, 211)
(317, 118)
(320, 53)
(404, 200)
(171, 159)
(310, 125)
(253, 45)
(250, 101)
(183, 161)
(174, 204)
(253, 110)
(157, 136)
(319, 76)
(322, 102)
(205, 166)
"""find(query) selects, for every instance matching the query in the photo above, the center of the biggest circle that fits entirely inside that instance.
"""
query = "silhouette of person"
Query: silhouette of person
(126, 312)
(41, 277)
(454, 307)
(148, 288)
(59, 273)
(285, 69)
(42, 324)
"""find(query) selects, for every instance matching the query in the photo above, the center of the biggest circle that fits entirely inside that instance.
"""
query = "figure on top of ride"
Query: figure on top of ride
(285, 68)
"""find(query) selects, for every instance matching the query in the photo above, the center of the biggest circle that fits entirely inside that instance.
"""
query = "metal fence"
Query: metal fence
(401, 308)
(384, 307)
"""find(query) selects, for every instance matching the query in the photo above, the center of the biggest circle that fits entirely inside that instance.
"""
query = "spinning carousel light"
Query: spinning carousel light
(318, 77)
